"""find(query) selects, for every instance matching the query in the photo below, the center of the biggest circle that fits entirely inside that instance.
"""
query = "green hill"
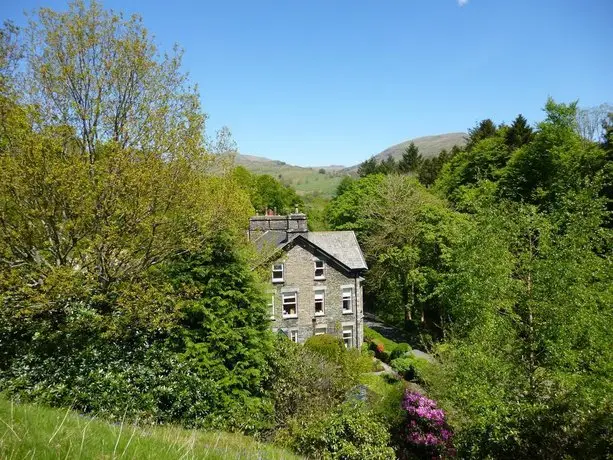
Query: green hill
(323, 180)
(315, 180)
(31, 431)
(429, 146)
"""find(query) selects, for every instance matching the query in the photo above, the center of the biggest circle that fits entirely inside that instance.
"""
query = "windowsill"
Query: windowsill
(320, 278)
(347, 312)
(320, 314)
(274, 281)
(290, 316)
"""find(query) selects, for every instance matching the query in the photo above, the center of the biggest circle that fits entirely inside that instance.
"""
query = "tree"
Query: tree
(556, 161)
(484, 129)
(388, 166)
(526, 292)
(367, 167)
(411, 160)
(590, 121)
(408, 230)
(101, 74)
(519, 133)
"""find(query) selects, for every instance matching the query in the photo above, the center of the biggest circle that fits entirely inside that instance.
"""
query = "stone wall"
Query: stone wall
(299, 277)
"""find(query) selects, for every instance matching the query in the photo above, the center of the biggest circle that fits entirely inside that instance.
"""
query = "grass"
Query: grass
(388, 344)
(306, 181)
(32, 431)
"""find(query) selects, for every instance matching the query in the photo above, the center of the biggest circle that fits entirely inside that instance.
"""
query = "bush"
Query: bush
(351, 432)
(410, 367)
(302, 382)
(169, 346)
(425, 433)
(327, 345)
(400, 350)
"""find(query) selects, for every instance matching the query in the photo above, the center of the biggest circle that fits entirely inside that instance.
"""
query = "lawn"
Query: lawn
(32, 431)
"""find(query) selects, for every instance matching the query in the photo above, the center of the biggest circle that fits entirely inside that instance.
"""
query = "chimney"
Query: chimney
(288, 226)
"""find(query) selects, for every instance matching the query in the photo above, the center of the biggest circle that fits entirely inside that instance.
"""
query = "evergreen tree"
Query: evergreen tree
(519, 133)
(388, 166)
(484, 129)
(411, 160)
(368, 167)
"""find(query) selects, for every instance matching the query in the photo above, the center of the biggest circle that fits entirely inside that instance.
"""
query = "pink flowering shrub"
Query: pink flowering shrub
(426, 433)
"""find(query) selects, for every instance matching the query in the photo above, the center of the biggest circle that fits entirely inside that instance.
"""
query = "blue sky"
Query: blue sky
(318, 82)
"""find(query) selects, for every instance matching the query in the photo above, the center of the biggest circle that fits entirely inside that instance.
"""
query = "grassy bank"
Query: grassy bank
(32, 431)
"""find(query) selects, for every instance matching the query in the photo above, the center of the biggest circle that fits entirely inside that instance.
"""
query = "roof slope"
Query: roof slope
(342, 245)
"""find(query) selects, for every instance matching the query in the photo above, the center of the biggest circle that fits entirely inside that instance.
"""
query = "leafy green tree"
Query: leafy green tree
(344, 211)
(344, 185)
(411, 160)
(408, 230)
(555, 162)
(527, 362)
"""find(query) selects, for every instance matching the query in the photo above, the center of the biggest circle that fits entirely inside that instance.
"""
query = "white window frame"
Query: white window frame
(322, 268)
(348, 336)
(293, 335)
(271, 307)
(282, 270)
(320, 329)
(347, 294)
(319, 294)
(286, 295)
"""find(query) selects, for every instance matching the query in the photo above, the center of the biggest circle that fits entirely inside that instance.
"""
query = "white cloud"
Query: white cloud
(462, 2)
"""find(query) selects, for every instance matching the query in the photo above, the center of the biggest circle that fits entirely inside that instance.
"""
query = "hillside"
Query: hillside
(304, 180)
(323, 180)
(429, 146)
(31, 431)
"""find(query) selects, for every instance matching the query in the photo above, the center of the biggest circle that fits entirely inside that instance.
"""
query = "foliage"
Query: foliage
(372, 336)
(151, 356)
(426, 433)
(400, 350)
(123, 289)
(101, 75)
(327, 345)
(302, 382)
(266, 192)
(412, 368)
(53, 433)
(411, 160)
(350, 433)
(529, 330)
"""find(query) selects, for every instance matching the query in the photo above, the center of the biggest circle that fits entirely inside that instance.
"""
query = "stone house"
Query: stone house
(315, 278)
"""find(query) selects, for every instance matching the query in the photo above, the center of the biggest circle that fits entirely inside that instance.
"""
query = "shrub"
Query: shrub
(410, 367)
(302, 381)
(351, 432)
(400, 350)
(186, 343)
(327, 345)
(425, 433)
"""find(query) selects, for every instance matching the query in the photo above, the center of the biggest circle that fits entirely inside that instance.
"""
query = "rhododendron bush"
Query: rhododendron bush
(425, 432)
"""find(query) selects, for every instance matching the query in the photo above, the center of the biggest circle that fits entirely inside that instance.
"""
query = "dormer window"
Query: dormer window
(277, 273)
(319, 270)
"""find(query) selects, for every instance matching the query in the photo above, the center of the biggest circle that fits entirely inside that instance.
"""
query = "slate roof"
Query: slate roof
(342, 245)
(270, 239)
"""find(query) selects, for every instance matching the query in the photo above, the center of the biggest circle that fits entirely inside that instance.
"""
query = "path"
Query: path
(393, 333)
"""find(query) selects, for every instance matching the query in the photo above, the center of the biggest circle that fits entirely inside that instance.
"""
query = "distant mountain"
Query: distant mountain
(429, 146)
(323, 180)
